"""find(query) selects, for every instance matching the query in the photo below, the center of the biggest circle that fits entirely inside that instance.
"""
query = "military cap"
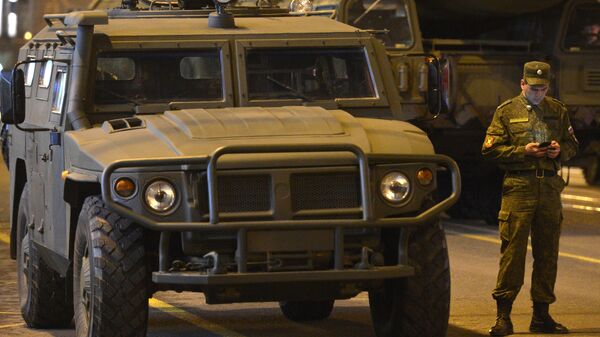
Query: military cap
(536, 73)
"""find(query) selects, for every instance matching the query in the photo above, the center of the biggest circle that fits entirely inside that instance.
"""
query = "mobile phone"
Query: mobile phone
(544, 144)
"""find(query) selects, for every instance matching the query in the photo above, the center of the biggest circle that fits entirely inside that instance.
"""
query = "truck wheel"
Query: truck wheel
(302, 311)
(45, 297)
(591, 171)
(110, 281)
(416, 306)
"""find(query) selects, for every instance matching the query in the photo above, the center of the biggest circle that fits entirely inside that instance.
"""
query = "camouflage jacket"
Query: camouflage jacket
(516, 123)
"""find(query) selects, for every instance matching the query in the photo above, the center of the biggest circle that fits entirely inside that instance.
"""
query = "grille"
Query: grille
(248, 193)
(324, 191)
(592, 79)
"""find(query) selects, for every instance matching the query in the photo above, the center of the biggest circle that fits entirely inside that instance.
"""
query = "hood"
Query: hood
(199, 132)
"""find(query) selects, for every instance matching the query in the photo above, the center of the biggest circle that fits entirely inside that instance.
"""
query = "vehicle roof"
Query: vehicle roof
(181, 27)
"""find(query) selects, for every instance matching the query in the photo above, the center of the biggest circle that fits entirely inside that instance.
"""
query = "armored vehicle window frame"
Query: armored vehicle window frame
(379, 98)
(220, 46)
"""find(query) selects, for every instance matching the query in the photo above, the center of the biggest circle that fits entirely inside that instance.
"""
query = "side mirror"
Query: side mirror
(434, 86)
(12, 96)
(18, 95)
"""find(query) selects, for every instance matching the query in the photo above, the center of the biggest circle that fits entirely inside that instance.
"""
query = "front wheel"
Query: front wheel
(416, 306)
(110, 281)
(45, 297)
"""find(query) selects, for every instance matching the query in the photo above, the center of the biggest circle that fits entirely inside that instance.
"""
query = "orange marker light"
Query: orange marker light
(424, 176)
(124, 187)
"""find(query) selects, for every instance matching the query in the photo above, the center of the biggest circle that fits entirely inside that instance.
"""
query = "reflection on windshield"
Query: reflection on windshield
(158, 77)
(584, 29)
(308, 74)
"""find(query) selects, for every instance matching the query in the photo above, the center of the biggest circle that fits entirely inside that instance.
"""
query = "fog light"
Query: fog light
(160, 196)
(424, 176)
(124, 187)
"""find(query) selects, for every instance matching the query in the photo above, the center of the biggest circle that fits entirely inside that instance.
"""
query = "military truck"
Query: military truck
(483, 46)
(179, 148)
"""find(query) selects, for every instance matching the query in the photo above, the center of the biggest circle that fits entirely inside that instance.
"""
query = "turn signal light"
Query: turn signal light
(124, 187)
(424, 176)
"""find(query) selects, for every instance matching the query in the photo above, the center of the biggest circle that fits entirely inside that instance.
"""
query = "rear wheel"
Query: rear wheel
(301, 311)
(45, 297)
(110, 281)
(419, 305)
(591, 171)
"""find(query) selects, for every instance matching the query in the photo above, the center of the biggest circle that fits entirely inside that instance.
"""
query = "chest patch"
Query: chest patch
(519, 120)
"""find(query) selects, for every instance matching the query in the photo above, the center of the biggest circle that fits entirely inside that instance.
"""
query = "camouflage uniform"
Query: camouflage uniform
(530, 192)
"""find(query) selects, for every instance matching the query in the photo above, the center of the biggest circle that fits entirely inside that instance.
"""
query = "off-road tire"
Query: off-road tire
(416, 306)
(45, 297)
(110, 279)
(303, 311)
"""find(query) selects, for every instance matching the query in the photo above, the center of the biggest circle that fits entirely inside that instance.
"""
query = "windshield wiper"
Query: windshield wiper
(366, 12)
(296, 93)
(130, 100)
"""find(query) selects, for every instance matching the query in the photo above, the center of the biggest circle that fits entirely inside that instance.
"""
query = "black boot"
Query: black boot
(503, 325)
(543, 322)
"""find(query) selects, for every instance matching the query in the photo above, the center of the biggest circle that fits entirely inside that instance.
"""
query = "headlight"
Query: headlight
(160, 196)
(395, 187)
(301, 6)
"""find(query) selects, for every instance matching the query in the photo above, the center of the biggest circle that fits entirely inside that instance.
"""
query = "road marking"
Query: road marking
(497, 241)
(9, 313)
(579, 198)
(192, 319)
(4, 238)
(10, 325)
(582, 207)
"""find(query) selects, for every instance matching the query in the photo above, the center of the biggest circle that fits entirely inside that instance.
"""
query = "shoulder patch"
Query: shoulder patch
(504, 104)
(554, 100)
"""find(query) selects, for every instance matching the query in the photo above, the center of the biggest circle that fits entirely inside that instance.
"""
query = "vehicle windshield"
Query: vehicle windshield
(377, 15)
(308, 73)
(583, 32)
(158, 77)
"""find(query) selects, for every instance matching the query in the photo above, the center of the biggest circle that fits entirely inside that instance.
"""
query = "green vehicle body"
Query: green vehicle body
(278, 191)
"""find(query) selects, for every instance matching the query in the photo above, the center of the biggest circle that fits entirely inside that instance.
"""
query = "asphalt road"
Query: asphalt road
(473, 248)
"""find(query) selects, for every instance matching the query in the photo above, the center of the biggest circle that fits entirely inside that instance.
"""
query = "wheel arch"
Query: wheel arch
(75, 193)
(19, 177)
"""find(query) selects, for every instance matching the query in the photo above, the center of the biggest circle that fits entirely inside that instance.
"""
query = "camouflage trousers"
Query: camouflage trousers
(529, 205)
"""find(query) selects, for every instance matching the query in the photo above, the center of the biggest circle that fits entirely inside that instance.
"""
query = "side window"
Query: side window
(45, 74)
(29, 72)
(583, 30)
(59, 90)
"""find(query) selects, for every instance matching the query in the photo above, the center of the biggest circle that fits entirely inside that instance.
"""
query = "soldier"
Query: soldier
(530, 135)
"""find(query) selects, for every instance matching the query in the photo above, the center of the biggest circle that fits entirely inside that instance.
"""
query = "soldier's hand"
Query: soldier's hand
(534, 150)
(554, 149)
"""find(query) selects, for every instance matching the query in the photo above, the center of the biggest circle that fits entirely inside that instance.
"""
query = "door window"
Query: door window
(583, 30)
(58, 91)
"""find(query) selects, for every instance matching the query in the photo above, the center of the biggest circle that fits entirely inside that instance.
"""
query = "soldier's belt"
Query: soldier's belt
(538, 173)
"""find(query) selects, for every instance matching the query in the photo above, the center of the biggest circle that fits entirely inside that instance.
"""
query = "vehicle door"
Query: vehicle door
(45, 111)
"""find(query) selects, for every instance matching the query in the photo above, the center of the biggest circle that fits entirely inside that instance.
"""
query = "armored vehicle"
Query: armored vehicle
(167, 148)
(482, 46)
